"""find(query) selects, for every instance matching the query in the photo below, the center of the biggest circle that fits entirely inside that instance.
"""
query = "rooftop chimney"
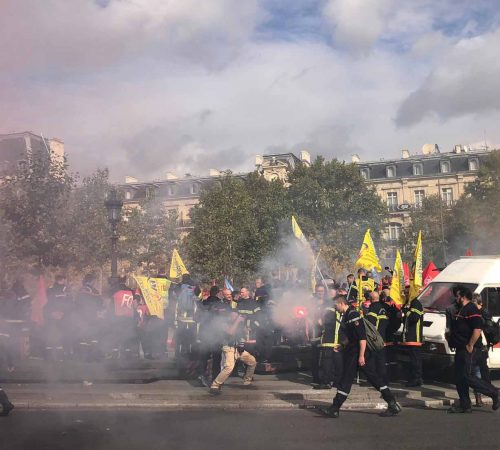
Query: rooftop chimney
(129, 179)
(405, 153)
(172, 176)
(214, 173)
(305, 157)
(258, 160)
(355, 159)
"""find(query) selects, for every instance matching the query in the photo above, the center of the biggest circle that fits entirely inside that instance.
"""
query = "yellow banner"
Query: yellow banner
(397, 280)
(367, 257)
(161, 285)
(177, 267)
(416, 282)
(152, 296)
(363, 286)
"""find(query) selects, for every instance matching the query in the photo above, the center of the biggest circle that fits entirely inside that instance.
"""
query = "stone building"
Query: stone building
(403, 183)
(15, 149)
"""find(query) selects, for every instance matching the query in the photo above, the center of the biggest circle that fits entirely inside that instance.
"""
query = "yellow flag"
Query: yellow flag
(177, 267)
(397, 280)
(416, 282)
(367, 258)
(151, 296)
(300, 236)
(161, 285)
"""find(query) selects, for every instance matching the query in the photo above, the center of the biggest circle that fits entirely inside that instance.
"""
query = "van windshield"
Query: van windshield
(438, 296)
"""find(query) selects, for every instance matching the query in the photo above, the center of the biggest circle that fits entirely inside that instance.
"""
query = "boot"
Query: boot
(496, 402)
(7, 406)
(332, 411)
(393, 409)
(479, 400)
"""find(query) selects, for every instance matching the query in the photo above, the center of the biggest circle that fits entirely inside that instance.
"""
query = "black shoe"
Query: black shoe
(331, 411)
(393, 409)
(7, 408)
(322, 386)
(496, 402)
(458, 410)
(414, 383)
(215, 391)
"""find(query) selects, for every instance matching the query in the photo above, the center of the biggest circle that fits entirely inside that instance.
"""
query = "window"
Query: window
(170, 189)
(491, 299)
(392, 201)
(149, 192)
(447, 195)
(419, 197)
(391, 171)
(473, 164)
(128, 195)
(418, 169)
(445, 167)
(365, 173)
(394, 231)
(195, 188)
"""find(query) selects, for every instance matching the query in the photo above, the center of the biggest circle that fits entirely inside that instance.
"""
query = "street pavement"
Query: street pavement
(214, 430)
(281, 391)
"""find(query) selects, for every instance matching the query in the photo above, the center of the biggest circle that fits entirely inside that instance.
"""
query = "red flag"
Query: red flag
(39, 302)
(468, 252)
(406, 271)
(429, 273)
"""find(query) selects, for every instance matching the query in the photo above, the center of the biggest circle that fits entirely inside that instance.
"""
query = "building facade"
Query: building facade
(401, 183)
(16, 148)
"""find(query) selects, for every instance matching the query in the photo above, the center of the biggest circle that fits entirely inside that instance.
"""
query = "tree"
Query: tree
(478, 210)
(235, 226)
(435, 220)
(86, 227)
(334, 207)
(149, 234)
(33, 202)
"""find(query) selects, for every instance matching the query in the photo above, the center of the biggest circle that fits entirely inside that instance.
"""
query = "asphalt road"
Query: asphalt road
(241, 430)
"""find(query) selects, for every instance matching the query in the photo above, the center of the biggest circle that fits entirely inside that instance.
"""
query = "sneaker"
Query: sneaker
(214, 390)
(392, 410)
(247, 382)
(331, 411)
(458, 410)
(7, 408)
(496, 402)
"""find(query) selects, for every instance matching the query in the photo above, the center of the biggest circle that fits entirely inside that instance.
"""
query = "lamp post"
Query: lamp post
(114, 205)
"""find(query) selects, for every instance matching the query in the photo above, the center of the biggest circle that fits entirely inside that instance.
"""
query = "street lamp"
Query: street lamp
(114, 205)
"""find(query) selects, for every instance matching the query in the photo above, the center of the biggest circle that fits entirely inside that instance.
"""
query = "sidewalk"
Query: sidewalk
(267, 392)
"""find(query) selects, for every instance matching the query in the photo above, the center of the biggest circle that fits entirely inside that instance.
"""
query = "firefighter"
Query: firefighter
(357, 355)
(7, 406)
(412, 339)
(332, 363)
(186, 309)
(465, 335)
(377, 315)
(248, 308)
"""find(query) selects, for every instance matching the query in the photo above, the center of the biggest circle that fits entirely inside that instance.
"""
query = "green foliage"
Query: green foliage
(34, 202)
(335, 207)
(149, 234)
(236, 225)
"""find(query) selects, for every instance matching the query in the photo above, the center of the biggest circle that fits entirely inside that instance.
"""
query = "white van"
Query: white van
(481, 274)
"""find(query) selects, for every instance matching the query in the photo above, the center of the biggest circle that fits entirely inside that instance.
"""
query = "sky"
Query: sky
(146, 87)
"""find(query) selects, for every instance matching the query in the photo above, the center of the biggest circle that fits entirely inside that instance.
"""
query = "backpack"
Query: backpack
(491, 331)
(374, 340)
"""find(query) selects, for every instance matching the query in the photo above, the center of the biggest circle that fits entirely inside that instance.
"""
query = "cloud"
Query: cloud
(464, 82)
(83, 34)
(357, 23)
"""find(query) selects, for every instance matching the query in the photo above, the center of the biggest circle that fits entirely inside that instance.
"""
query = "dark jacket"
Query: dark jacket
(413, 324)
(377, 315)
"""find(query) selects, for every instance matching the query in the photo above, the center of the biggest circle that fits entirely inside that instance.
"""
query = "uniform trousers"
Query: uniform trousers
(230, 356)
(351, 356)
(465, 377)
(332, 366)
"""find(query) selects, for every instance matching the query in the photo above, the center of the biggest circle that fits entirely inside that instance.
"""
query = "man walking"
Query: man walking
(465, 331)
(377, 315)
(233, 350)
(357, 355)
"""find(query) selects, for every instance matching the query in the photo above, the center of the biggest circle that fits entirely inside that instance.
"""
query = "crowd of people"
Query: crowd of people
(350, 327)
